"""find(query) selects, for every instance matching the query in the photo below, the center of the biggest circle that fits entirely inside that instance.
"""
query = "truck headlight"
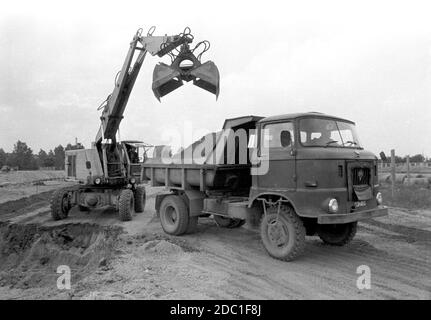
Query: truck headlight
(97, 181)
(132, 181)
(379, 198)
(333, 205)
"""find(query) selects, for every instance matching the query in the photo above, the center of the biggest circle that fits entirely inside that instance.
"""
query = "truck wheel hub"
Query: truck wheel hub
(277, 234)
(172, 214)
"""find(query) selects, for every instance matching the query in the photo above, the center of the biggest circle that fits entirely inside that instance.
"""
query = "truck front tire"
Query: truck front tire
(140, 199)
(337, 234)
(126, 205)
(174, 215)
(282, 234)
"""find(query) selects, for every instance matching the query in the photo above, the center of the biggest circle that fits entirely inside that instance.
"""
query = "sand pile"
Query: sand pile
(30, 254)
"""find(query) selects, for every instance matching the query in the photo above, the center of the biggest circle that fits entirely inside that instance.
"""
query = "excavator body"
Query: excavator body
(109, 174)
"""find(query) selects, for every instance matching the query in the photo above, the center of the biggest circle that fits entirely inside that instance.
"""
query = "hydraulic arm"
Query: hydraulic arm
(185, 66)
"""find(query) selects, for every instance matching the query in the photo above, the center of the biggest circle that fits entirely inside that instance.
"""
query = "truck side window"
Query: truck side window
(252, 141)
(277, 135)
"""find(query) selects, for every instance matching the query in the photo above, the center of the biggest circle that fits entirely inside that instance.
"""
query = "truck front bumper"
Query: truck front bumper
(379, 211)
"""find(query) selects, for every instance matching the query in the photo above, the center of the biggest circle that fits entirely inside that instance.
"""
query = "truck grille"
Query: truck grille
(361, 176)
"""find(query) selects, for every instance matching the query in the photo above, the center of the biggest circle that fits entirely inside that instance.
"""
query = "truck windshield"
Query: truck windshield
(319, 132)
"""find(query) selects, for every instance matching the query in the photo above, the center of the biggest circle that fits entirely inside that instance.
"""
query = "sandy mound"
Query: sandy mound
(30, 254)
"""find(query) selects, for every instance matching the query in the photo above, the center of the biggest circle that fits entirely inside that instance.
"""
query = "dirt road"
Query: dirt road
(137, 260)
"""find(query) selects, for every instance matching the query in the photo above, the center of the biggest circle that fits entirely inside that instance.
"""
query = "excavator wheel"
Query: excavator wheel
(60, 204)
(140, 199)
(174, 215)
(126, 205)
(229, 223)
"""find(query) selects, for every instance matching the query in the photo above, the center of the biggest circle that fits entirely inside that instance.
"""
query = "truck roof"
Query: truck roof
(291, 116)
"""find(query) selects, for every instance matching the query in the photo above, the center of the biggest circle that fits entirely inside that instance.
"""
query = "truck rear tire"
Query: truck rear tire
(126, 205)
(139, 199)
(60, 204)
(83, 208)
(337, 234)
(283, 235)
(230, 223)
(236, 223)
(193, 225)
(174, 215)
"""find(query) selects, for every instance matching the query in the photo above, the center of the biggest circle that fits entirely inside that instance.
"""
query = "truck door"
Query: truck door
(277, 140)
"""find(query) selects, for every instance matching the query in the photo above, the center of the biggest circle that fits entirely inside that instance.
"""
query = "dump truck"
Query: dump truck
(108, 174)
(289, 175)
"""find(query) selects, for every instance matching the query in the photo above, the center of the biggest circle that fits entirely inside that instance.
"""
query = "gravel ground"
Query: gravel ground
(137, 260)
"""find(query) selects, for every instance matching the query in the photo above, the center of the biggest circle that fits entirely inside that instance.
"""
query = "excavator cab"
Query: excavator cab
(187, 67)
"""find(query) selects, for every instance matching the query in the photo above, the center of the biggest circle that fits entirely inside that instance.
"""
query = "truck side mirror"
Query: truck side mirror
(88, 164)
(383, 156)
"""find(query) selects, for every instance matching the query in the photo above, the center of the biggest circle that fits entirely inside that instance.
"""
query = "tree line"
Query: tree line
(23, 158)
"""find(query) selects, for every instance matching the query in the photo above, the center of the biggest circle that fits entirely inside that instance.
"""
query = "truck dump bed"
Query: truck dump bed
(200, 177)
(211, 163)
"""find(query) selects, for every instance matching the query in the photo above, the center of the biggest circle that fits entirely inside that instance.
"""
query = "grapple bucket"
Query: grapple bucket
(165, 80)
(207, 77)
(168, 78)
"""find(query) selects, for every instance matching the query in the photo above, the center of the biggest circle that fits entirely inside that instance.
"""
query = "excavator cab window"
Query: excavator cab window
(132, 152)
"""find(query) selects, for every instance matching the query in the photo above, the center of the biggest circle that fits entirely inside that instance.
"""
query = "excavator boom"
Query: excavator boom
(204, 75)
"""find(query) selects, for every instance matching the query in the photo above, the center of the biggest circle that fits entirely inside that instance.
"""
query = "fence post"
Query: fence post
(408, 169)
(393, 171)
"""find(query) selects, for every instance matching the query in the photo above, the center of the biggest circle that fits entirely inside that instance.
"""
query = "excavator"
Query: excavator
(110, 173)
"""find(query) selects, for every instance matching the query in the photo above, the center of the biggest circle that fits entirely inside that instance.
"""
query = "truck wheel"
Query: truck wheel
(140, 199)
(60, 204)
(337, 234)
(83, 208)
(126, 205)
(174, 215)
(230, 223)
(236, 223)
(283, 234)
(310, 225)
(193, 225)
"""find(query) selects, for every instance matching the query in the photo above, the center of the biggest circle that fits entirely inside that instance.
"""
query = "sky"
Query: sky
(367, 61)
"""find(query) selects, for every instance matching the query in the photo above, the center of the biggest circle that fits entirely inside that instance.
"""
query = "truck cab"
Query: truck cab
(317, 163)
